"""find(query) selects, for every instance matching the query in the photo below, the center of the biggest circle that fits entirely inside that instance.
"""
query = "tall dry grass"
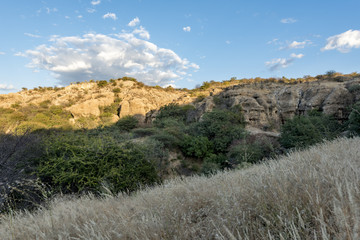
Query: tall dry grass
(313, 194)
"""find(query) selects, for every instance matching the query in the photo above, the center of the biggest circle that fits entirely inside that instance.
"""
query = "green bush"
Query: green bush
(172, 110)
(102, 83)
(157, 153)
(213, 163)
(221, 127)
(303, 131)
(354, 119)
(144, 132)
(196, 146)
(168, 139)
(127, 123)
(116, 90)
(354, 88)
(75, 162)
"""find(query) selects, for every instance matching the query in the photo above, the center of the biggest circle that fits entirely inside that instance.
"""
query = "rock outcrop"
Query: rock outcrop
(271, 105)
(265, 105)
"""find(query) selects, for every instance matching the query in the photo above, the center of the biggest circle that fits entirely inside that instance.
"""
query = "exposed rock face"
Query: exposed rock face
(274, 103)
(265, 105)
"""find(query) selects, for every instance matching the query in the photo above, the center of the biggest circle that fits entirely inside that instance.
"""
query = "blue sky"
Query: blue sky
(181, 43)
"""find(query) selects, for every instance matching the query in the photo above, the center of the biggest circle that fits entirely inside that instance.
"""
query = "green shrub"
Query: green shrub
(354, 88)
(75, 162)
(102, 83)
(172, 110)
(169, 140)
(29, 127)
(196, 146)
(128, 79)
(116, 90)
(127, 123)
(303, 131)
(45, 104)
(221, 127)
(214, 163)
(6, 110)
(354, 119)
(169, 123)
(16, 105)
(157, 153)
(144, 132)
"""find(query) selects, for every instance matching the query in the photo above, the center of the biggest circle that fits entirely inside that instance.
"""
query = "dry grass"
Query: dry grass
(312, 194)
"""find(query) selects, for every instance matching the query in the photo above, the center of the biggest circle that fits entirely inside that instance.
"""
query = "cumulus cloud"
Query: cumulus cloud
(95, 2)
(110, 15)
(91, 10)
(134, 22)
(288, 20)
(142, 33)
(187, 29)
(296, 44)
(279, 63)
(6, 87)
(2, 53)
(343, 42)
(99, 56)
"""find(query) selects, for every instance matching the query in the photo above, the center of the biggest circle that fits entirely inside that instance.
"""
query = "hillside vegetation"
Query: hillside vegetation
(310, 194)
(97, 103)
(100, 139)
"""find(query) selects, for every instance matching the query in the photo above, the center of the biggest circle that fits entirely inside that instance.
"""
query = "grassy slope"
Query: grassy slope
(313, 194)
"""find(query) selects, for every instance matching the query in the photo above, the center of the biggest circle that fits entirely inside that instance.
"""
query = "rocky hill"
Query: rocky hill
(266, 103)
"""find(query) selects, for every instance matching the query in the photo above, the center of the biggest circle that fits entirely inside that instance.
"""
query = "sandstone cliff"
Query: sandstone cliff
(268, 105)
(265, 104)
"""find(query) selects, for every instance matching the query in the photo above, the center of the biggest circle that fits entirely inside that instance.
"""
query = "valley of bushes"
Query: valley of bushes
(42, 162)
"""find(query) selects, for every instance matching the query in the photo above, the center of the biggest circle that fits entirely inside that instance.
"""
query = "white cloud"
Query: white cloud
(274, 41)
(91, 10)
(227, 42)
(95, 2)
(134, 22)
(343, 42)
(32, 35)
(110, 15)
(2, 53)
(80, 16)
(99, 56)
(278, 63)
(187, 29)
(6, 87)
(67, 17)
(300, 55)
(142, 33)
(296, 44)
(288, 20)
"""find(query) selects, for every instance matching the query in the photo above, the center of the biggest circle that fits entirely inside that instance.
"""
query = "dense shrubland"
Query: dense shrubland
(124, 156)
(57, 158)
